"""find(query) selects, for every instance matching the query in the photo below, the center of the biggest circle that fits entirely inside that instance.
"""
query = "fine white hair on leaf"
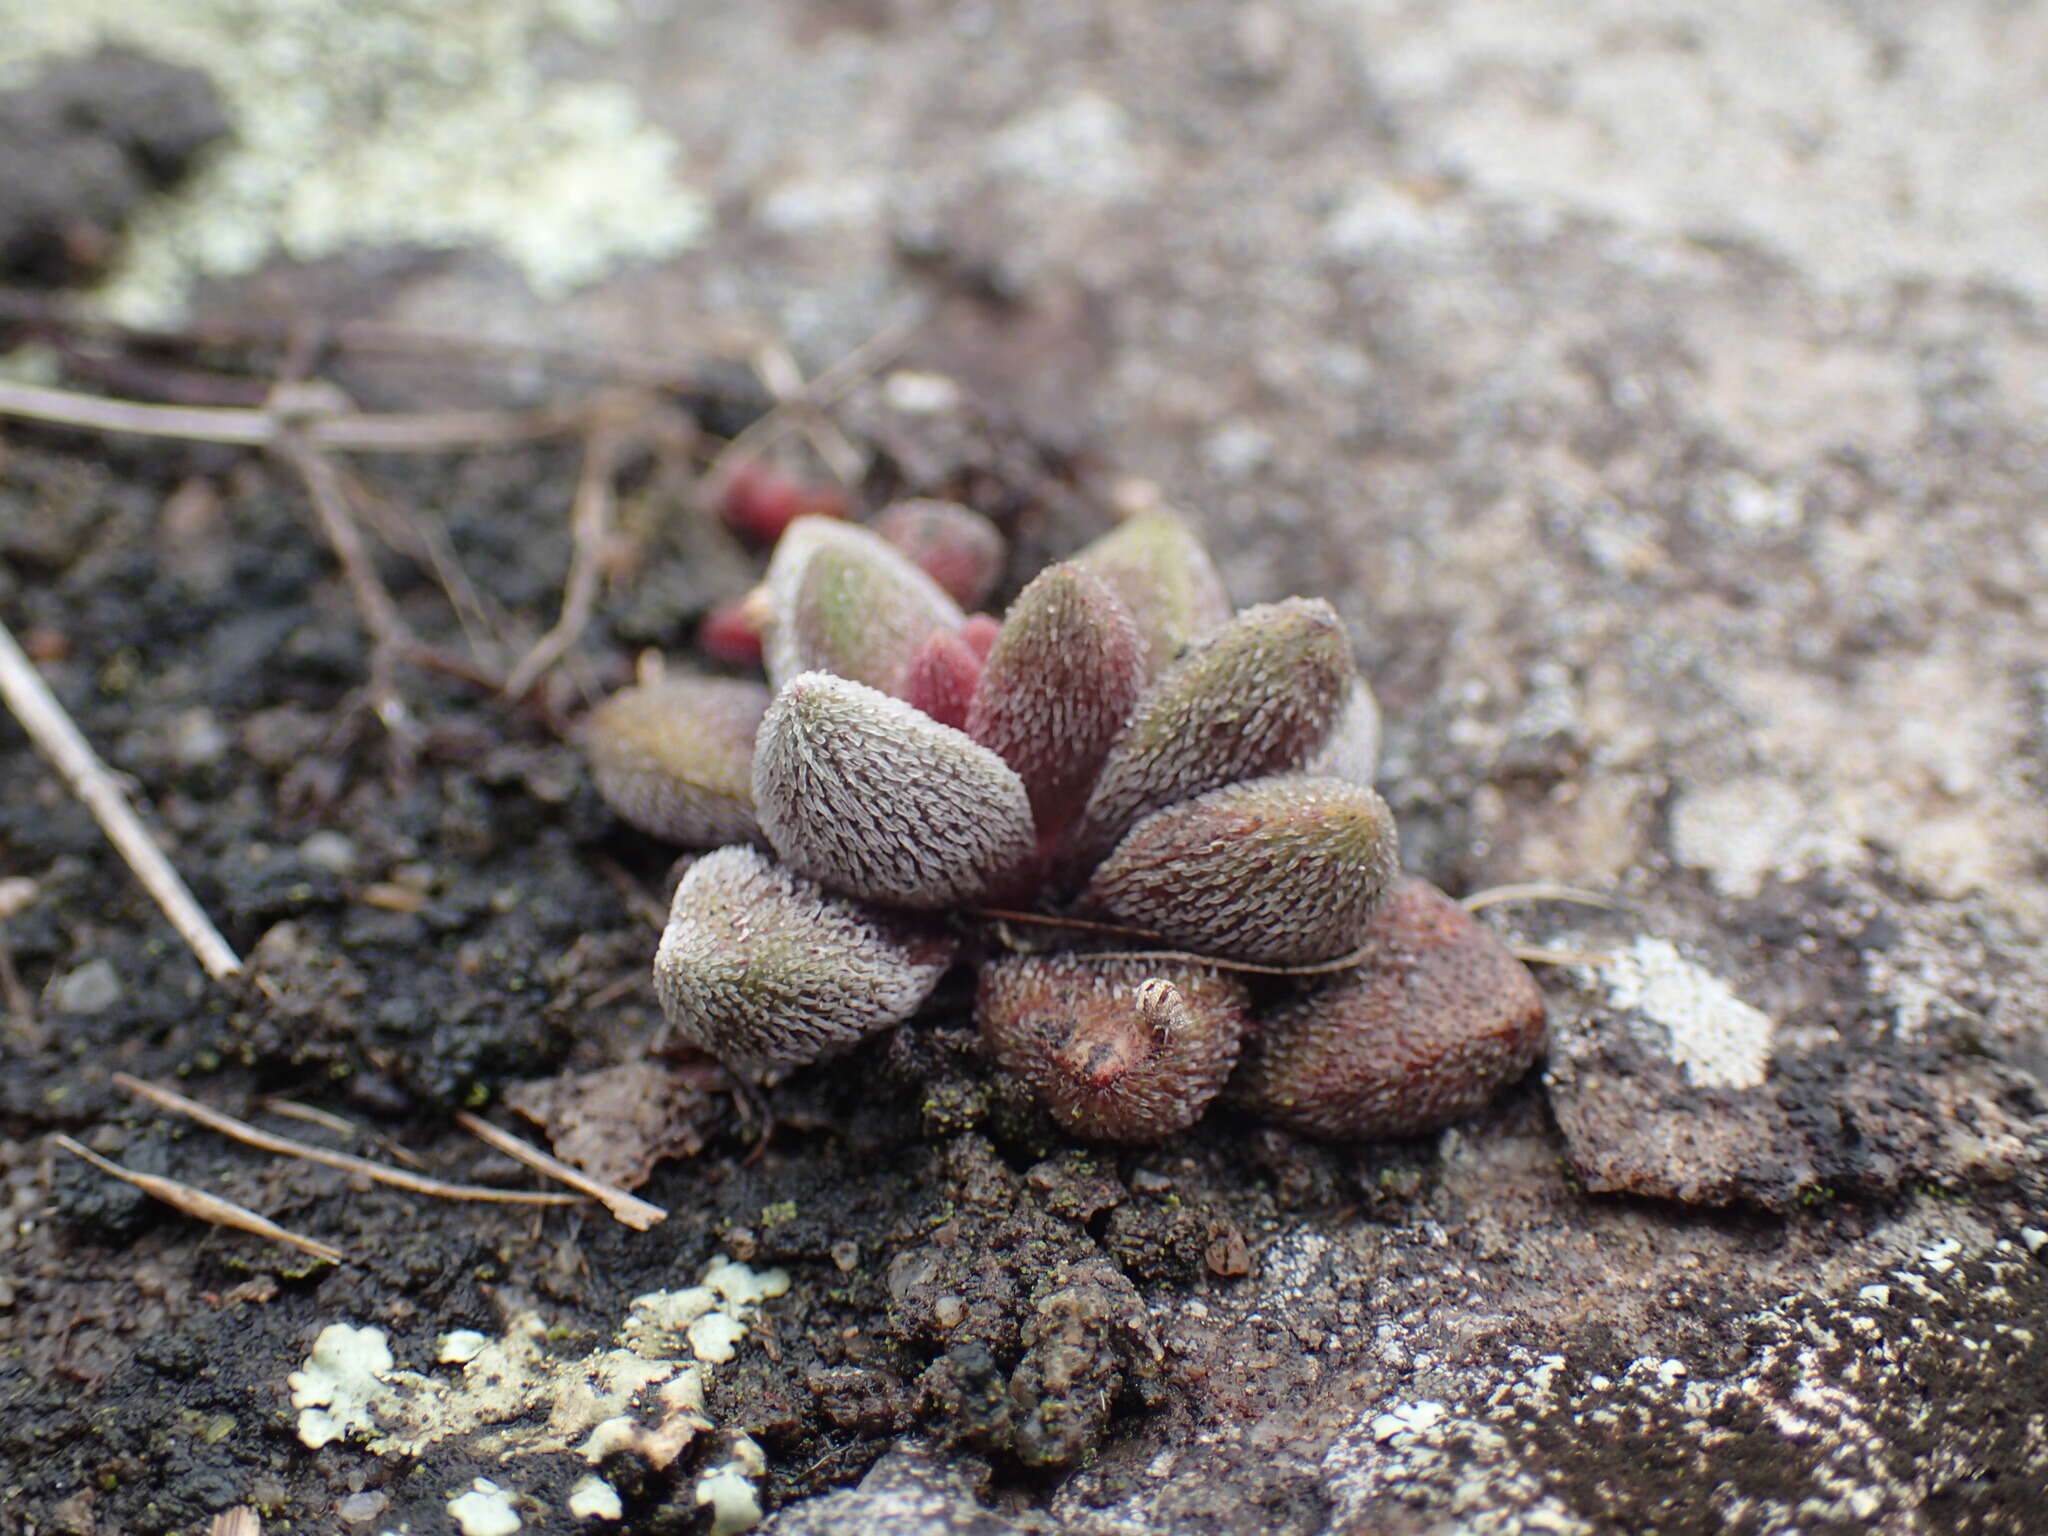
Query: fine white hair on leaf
(764, 968)
(1163, 575)
(676, 758)
(1258, 696)
(877, 799)
(1284, 870)
(843, 600)
(1059, 684)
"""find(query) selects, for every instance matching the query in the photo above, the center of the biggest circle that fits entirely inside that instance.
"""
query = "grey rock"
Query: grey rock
(1664, 1083)
(910, 1492)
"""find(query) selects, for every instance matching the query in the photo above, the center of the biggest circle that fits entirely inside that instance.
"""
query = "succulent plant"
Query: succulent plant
(1118, 1050)
(1437, 1016)
(1173, 801)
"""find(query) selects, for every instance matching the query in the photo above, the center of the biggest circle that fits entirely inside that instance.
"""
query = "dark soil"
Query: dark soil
(83, 146)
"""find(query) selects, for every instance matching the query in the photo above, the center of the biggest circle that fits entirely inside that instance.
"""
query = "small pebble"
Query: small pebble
(93, 988)
(197, 739)
(361, 1508)
(330, 851)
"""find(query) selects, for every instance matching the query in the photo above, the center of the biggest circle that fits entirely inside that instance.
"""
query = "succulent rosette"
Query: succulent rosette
(1171, 804)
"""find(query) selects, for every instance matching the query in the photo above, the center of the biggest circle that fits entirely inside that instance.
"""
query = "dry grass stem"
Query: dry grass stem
(1536, 954)
(1538, 890)
(630, 1209)
(20, 1006)
(800, 403)
(420, 536)
(286, 1146)
(390, 639)
(54, 734)
(198, 1203)
(590, 527)
(658, 369)
(262, 427)
(341, 1125)
(239, 1521)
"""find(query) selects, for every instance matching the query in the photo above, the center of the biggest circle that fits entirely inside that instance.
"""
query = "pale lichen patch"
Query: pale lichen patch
(388, 123)
(1719, 1040)
(484, 1509)
(511, 1397)
(338, 1389)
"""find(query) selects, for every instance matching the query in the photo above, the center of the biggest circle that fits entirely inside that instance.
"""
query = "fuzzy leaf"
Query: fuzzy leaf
(1159, 568)
(841, 600)
(878, 800)
(763, 968)
(1066, 668)
(675, 758)
(1438, 1018)
(979, 633)
(1276, 871)
(1117, 1050)
(942, 678)
(1258, 696)
(954, 545)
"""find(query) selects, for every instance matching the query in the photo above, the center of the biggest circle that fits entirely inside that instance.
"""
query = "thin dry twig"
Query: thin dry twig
(239, 1521)
(198, 1203)
(1076, 924)
(777, 369)
(54, 734)
(589, 527)
(262, 427)
(1536, 890)
(630, 1209)
(20, 1006)
(286, 1146)
(638, 902)
(657, 369)
(1537, 954)
(390, 639)
(804, 403)
(1000, 916)
(420, 536)
(341, 1125)
(17, 895)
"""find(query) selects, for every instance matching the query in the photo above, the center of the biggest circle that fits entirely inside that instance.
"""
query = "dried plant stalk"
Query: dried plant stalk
(197, 1202)
(631, 1209)
(59, 739)
(286, 1146)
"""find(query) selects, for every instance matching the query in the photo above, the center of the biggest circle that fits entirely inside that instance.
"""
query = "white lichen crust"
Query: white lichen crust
(1276, 871)
(764, 968)
(1116, 1050)
(874, 798)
